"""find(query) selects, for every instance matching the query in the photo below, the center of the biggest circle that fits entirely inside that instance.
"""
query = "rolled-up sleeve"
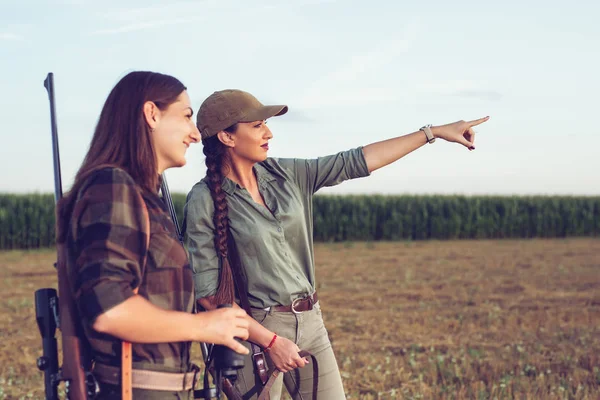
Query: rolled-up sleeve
(199, 239)
(109, 220)
(313, 174)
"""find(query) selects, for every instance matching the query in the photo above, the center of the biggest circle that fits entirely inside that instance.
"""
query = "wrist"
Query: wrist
(429, 135)
(271, 343)
(262, 337)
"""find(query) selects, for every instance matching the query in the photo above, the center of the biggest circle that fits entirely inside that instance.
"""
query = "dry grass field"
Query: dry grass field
(409, 320)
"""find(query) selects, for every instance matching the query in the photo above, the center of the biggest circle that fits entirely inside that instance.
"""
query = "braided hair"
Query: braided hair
(216, 161)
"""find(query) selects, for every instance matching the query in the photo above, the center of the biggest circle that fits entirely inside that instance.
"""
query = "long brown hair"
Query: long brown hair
(122, 137)
(217, 162)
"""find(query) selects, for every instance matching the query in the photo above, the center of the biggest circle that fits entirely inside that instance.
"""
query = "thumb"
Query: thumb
(466, 143)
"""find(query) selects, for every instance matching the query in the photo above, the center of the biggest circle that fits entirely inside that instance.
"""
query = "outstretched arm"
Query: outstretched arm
(382, 153)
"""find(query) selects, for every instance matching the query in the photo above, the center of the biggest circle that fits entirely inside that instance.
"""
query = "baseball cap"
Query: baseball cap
(225, 108)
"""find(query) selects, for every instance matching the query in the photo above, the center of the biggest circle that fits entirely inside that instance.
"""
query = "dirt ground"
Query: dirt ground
(408, 320)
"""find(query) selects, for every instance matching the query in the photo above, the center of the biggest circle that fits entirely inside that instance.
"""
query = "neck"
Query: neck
(242, 173)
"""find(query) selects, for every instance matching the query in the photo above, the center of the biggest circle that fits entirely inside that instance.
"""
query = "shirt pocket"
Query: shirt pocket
(168, 281)
(165, 251)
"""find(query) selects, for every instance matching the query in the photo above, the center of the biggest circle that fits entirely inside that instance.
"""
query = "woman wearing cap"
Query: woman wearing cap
(266, 206)
(129, 275)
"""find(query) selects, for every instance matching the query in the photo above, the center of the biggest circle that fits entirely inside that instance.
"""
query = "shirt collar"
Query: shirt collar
(262, 175)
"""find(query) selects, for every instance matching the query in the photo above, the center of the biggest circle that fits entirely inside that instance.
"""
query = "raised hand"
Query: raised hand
(459, 132)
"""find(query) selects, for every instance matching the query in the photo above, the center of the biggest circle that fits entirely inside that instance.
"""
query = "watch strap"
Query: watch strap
(428, 134)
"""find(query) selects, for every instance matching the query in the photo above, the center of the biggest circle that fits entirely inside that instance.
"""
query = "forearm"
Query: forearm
(256, 332)
(139, 321)
(380, 154)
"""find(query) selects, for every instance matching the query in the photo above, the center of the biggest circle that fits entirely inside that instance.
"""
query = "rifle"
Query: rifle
(225, 359)
(58, 310)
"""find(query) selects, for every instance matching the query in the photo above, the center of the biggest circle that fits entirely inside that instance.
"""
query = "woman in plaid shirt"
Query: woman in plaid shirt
(120, 238)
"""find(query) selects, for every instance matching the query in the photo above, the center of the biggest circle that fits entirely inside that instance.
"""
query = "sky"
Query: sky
(351, 72)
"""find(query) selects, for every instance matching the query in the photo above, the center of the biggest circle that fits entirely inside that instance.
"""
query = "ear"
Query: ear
(226, 138)
(151, 114)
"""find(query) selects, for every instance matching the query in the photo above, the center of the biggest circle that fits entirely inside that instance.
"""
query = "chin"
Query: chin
(179, 163)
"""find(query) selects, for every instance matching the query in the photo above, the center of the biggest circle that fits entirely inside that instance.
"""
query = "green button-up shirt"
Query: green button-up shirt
(275, 244)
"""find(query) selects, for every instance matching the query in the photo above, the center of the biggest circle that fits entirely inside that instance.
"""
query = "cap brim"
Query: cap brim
(264, 112)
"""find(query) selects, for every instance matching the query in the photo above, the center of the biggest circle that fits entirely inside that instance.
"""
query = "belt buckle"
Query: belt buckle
(294, 303)
(298, 300)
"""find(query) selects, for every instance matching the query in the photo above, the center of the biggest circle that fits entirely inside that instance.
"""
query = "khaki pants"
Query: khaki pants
(308, 332)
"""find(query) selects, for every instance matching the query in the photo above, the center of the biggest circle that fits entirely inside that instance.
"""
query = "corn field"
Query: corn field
(27, 221)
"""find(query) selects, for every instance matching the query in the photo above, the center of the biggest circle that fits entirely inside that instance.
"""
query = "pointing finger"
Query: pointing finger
(476, 122)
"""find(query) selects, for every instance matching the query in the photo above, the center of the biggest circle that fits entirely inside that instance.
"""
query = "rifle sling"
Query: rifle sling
(258, 356)
(126, 352)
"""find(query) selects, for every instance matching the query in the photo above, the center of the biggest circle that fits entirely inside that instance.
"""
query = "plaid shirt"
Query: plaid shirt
(108, 257)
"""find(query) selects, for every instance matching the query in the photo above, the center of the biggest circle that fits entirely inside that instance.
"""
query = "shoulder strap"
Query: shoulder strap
(126, 352)
(260, 365)
(258, 356)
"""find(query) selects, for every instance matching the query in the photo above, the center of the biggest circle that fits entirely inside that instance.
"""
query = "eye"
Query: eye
(258, 125)
(189, 116)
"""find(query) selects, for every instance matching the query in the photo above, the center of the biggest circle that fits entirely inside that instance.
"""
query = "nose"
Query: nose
(268, 133)
(195, 134)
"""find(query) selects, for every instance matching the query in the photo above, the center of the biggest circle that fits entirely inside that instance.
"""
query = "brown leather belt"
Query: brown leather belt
(150, 380)
(299, 305)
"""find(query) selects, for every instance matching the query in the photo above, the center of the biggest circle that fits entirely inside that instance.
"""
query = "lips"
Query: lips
(265, 146)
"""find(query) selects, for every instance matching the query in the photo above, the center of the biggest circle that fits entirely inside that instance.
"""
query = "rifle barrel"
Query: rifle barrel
(164, 188)
(49, 85)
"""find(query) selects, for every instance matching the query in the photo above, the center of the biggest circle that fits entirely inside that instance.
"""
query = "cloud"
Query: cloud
(340, 86)
(480, 94)
(139, 26)
(297, 3)
(10, 36)
(151, 17)
(351, 96)
(147, 13)
(460, 88)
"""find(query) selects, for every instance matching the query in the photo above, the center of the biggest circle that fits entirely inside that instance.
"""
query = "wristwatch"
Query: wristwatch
(428, 133)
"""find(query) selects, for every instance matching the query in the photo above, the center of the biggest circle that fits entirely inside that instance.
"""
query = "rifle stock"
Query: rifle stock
(46, 318)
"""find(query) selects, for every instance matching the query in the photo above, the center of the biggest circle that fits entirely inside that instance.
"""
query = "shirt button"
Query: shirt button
(279, 229)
